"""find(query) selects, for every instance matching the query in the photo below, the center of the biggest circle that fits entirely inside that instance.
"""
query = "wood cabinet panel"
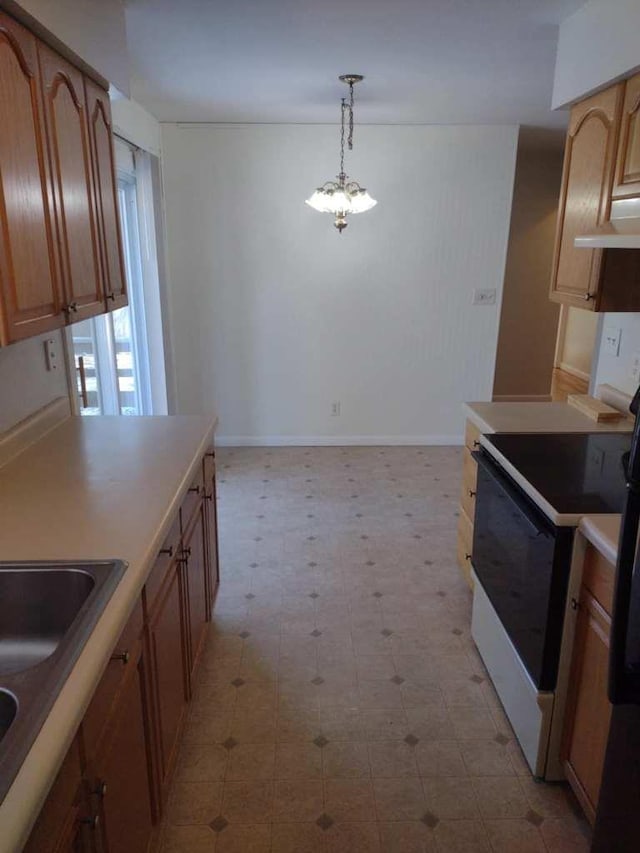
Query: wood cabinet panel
(588, 710)
(105, 189)
(121, 774)
(627, 178)
(469, 484)
(211, 501)
(197, 582)
(599, 578)
(70, 155)
(585, 196)
(28, 265)
(472, 436)
(465, 545)
(169, 672)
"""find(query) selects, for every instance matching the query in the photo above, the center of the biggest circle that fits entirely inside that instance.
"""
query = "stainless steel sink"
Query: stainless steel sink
(47, 613)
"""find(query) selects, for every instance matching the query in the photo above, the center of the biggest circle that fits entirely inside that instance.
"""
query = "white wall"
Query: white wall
(25, 383)
(614, 370)
(576, 348)
(596, 45)
(93, 29)
(275, 315)
(529, 320)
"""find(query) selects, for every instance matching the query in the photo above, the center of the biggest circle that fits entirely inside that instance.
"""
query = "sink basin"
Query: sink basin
(37, 608)
(8, 709)
(47, 614)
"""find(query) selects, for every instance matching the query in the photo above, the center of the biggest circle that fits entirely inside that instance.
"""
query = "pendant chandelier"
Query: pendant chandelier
(344, 196)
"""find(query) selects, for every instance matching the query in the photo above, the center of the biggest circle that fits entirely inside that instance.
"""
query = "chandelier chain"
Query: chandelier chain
(344, 107)
(350, 139)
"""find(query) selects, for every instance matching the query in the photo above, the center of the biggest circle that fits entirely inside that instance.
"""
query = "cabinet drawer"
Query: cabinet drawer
(599, 578)
(465, 545)
(472, 436)
(192, 499)
(164, 561)
(97, 714)
(469, 482)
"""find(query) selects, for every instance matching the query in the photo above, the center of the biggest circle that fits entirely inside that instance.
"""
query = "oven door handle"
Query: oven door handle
(539, 523)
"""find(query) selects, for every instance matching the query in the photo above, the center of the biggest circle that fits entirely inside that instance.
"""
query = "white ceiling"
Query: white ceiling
(425, 61)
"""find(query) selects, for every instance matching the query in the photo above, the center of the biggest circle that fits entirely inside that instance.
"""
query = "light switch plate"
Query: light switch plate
(484, 297)
(51, 354)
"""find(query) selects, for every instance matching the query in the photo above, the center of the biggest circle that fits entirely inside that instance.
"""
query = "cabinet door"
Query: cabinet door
(29, 298)
(121, 776)
(585, 197)
(197, 570)
(106, 193)
(211, 497)
(588, 709)
(70, 156)
(627, 183)
(168, 671)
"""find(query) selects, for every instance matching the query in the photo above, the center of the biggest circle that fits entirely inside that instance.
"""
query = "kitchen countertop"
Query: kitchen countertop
(91, 489)
(537, 417)
(603, 532)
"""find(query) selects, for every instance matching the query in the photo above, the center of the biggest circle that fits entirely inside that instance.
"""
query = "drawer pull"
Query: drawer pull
(575, 604)
(472, 494)
(100, 790)
(208, 497)
(195, 489)
(186, 551)
(168, 551)
(122, 656)
(476, 443)
(92, 822)
(111, 296)
(210, 454)
(467, 556)
(587, 296)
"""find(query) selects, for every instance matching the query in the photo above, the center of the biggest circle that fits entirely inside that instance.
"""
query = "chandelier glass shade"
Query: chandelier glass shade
(344, 196)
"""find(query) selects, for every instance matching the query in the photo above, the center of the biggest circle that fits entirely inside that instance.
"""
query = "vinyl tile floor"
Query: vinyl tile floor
(341, 705)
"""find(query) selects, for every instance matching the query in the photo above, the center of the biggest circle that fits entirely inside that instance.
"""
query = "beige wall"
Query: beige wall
(576, 341)
(529, 321)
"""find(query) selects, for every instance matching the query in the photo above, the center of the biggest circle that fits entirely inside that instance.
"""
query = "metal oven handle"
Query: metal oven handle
(539, 523)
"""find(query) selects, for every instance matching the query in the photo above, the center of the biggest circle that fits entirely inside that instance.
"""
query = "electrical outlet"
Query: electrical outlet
(51, 354)
(634, 373)
(335, 409)
(484, 297)
(612, 340)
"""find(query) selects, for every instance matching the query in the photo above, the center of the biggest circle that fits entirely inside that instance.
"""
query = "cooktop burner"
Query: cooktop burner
(574, 472)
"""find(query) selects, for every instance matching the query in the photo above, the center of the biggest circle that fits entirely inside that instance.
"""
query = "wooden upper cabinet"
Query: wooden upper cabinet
(585, 196)
(29, 297)
(70, 154)
(627, 177)
(106, 193)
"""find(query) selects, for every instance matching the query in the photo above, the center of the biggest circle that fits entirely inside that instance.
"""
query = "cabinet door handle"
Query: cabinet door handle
(210, 454)
(195, 489)
(575, 604)
(82, 374)
(122, 656)
(472, 494)
(186, 551)
(72, 307)
(587, 296)
(93, 822)
(100, 790)
(467, 556)
(476, 443)
(111, 296)
(168, 551)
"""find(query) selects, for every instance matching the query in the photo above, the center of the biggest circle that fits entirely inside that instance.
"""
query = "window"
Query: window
(111, 352)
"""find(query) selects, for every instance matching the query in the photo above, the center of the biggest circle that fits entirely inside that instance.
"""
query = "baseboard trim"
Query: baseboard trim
(521, 398)
(337, 440)
(573, 371)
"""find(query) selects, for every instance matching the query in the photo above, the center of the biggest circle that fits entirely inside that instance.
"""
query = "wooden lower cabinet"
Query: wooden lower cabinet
(168, 661)
(588, 709)
(121, 776)
(110, 792)
(467, 501)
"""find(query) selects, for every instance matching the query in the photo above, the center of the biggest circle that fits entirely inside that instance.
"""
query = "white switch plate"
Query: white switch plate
(484, 297)
(612, 337)
(634, 373)
(335, 409)
(51, 354)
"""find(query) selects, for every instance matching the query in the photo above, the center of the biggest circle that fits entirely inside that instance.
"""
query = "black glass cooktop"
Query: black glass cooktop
(574, 472)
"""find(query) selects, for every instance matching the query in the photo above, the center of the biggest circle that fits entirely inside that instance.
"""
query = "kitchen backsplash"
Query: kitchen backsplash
(614, 369)
(25, 383)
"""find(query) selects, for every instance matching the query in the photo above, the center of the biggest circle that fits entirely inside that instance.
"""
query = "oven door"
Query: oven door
(522, 561)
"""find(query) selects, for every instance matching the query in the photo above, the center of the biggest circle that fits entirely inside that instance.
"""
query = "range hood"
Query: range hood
(622, 232)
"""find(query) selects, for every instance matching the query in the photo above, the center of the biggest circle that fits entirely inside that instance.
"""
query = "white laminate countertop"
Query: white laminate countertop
(92, 488)
(537, 417)
(603, 532)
